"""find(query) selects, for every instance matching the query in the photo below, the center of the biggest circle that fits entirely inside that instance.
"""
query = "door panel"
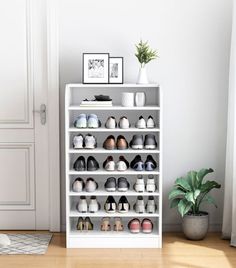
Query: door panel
(24, 179)
(17, 176)
(16, 100)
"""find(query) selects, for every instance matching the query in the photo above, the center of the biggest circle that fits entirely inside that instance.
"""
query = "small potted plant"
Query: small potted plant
(144, 55)
(188, 194)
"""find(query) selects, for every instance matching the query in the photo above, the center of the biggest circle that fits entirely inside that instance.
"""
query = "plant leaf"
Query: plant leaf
(210, 200)
(196, 193)
(182, 182)
(208, 186)
(174, 202)
(202, 173)
(184, 206)
(192, 179)
(175, 192)
(190, 197)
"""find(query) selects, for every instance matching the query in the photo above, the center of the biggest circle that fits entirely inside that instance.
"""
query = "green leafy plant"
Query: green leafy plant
(191, 191)
(144, 53)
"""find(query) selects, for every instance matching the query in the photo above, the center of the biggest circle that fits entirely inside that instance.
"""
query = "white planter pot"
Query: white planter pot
(142, 76)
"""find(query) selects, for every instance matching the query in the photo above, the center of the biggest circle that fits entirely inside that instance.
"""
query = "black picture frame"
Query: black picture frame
(86, 77)
(119, 80)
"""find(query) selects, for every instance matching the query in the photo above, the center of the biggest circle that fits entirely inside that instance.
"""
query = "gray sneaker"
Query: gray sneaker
(123, 184)
(110, 184)
(150, 142)
(137, 142)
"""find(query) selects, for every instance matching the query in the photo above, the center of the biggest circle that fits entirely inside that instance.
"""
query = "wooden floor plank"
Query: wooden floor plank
(213, 252)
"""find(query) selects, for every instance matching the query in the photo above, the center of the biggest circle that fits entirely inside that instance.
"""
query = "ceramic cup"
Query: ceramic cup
(140, 99)
(127, 99)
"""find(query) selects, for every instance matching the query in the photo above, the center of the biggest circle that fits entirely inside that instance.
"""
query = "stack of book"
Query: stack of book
(92, 103)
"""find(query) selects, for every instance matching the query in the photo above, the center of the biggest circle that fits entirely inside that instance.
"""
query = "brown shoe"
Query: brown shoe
(121, 143)
(109, 143)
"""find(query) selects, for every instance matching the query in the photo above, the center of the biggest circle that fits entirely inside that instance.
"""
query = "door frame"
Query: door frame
(53, 115)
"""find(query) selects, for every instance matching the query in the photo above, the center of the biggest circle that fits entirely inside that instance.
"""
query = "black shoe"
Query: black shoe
(123, 205)
(92, 164)
(150, 163)
(79, 164)
(137, 163)
(110, 205)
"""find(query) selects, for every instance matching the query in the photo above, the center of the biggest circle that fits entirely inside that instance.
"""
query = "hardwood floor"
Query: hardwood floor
(176, 252)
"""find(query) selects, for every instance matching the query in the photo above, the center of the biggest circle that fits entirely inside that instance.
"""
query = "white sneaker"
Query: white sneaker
(139, 206)
(90, 142)
(78, 185)
(139, 186)
(150, 122)
(124, 122)
(82, 205)
(151, 206)
(78, 141)
(93, 205)
(150, 186)
(111, 122)
(122, 164)
(140, 123)
(109, 164)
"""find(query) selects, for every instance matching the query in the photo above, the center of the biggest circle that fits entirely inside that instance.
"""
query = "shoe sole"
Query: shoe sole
(122, 189)
(92, 169)
(150, 147)
(147, 231)
(137, 147)
(135, 231)
(80, 169)
(110, 189)
(87, 147)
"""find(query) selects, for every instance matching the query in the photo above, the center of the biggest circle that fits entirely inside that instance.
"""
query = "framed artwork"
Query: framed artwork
(116, 70)
(95, 68)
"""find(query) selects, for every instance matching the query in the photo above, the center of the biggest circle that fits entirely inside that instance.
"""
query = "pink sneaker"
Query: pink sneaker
(147, 226)
(134, 226)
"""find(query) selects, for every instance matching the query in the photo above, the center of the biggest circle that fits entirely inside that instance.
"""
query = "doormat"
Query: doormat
(27, 244)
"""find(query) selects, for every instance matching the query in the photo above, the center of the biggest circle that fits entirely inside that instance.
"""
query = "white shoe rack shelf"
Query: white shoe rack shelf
(96, 238)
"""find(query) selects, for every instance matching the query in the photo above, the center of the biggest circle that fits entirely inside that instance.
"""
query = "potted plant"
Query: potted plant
(188, 194)
(144, 55)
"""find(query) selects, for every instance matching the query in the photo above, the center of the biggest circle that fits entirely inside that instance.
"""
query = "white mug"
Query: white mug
(127, 99)
(140, 99)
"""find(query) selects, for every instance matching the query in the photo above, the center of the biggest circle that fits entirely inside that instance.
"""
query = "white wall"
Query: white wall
(193, 40)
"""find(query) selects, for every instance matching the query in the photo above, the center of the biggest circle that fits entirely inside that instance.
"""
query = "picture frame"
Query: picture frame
(116, 70)
(95, 68)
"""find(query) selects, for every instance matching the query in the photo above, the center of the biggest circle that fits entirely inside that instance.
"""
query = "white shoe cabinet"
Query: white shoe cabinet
(74, 94)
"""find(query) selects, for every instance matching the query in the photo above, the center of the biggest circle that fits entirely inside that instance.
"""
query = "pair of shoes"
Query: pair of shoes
(140, 207)
(89, 186)
(84, 224)
(90, 121)
(110, 165)
(111, 205)
(92, 206)
(123, 122)
(141, 123)
(135, 226)
(122, 185)
(87, 142)
(80, 165)
(138, 142)
(139, 185)
(138, 164)
(106, 226)
(110, 143)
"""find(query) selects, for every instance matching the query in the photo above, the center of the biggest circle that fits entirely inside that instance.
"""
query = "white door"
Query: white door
(24, 169)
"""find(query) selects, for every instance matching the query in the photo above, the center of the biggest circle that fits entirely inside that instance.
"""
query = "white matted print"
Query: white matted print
(95, 68)
(116, 70)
